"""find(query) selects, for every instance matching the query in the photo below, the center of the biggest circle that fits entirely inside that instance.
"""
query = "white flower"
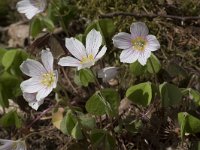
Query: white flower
(137, 45)
(84, 57)
(107, 73)
(31, 7)
(32, 101)
(43, 79)
(12, 145)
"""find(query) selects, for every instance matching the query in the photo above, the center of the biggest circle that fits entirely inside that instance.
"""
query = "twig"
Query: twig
(68, 80)
(37, 132)
(116, 14)
(36, 119)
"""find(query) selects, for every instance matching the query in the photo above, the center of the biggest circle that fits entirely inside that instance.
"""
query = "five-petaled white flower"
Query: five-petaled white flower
(84, 57)
(137, 45)
(31, 7)
(108, 73)
(43, 79)
(12, 145)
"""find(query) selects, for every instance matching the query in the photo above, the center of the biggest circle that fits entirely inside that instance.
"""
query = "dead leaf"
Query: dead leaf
(57, 117)
(124, 105)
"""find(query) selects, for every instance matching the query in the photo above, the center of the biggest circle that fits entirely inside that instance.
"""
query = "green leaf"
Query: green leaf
(68, 123)
(102, 140)
(87, 121)
(86, 76)
(9, 87)
(11, 119)
(95, 105)
(153, 64)
(105, 101)
(137, 69)
(8, 80)
(2, 52)
(182, 122)
(48, 23)
(170, 94)
(175, 70)
(8, 58)
(190, 123)
(19, 58)
(12, 59)
(140, 94)
(35, 27)
(195, 95)
(3, 97)
(76, 132)
(77, 79)
(18, 121)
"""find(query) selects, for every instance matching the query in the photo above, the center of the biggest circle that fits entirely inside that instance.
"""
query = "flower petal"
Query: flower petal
(42, 93)
(122, 40)
(23, 5)
(36, 104)
(152, 43)
(31, 14)
(101, 53)
(107, 73)
(93, 42)
(29, 97)
(12, 145)
(75, 47)
(32, 68)
(31, 7)
(129, 55)
(69, 61)
(143, 57)
(86, 65)
(139, 29)
(21, 145)
(47, 60)
(27, 8)
(6, 144)
(31, 85)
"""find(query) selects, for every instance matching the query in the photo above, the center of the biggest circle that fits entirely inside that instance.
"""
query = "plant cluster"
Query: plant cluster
(98, 95)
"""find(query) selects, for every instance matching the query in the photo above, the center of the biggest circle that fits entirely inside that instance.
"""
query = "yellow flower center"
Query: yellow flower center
(48, 79)
(87, 59)
(139, 43)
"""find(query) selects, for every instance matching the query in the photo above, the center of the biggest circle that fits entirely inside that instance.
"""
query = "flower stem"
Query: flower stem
(154, 72)
(68, 80)
(96, 80)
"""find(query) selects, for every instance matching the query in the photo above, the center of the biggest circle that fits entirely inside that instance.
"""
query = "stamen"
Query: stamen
(48, 79)
(87, 59)
(139, 43)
